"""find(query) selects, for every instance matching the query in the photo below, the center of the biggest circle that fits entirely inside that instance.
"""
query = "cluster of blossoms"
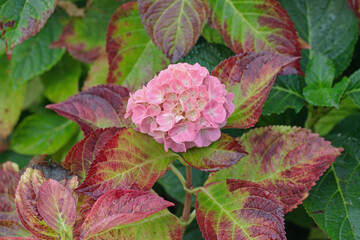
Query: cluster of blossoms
(182, 107)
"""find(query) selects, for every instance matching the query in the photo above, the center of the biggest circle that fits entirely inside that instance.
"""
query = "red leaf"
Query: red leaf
(238, 210)
(25, 200)
(129, 160)
(286, 161)
(255, 26)
(174, 26)
(84, 206)
(120, 207)
(133, 57)
(56, 205)
(82, 154)
(10, 176)
(221, 154)
(98, 107)
(250, 77)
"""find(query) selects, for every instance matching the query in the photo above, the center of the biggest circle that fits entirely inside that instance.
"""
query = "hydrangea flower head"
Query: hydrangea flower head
(182, 107)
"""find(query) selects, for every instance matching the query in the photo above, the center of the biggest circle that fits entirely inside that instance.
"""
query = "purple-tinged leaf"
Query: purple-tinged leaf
(174, 26)
(130, 159)
(22, 19)
(255, 26)
(56, 205)
(239, 210)
(250, 77)
(84, 206)
(286, 161)
(133, 57)
(221, 154)
(13, 229)
(98, 107)
(162, 225)
(25, 200)
(82, 154)
(121, 207)
(10, 176)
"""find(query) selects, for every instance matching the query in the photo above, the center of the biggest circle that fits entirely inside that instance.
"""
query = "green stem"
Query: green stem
(188, 198)
(178, 175)
(314, 115)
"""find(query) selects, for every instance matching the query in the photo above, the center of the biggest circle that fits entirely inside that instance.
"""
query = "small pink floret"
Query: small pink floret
(182, 107)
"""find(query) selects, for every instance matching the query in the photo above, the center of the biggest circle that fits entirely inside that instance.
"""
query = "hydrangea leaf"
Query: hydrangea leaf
(84, 206)
(62, 81)
(13, 230)
(254, 26)
(221, 154)
(98, 107)
(25, 199)
(286, 161)
(42, 134)
(334, 202)
(329, 26)
(250, 77)
(238, 210)
(320, 74)
(129, 160)
(81, 155)
(11, 102)
(353, 89)
(166, 224)
(22, 19)
(10, 177)
(207, 55)
(355, 5)
(285, 93)
(98, 72)
(85, 38)
(34, 56)
(133, 57)
(174, 26)
(57, 206)
(121, 207)
(211, 35)
(327, 122)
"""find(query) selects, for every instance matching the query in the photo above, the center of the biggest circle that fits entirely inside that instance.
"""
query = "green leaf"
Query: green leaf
(22, 19)
(329, 26)
(211, 35)
(238, 210)
(319, 78)
(286, 161)
(85, 38)
(98, 72)
(34, 56)
(42, 134)
(11, 101)
(334, 202)
(353, 89)
(326, 123)
(207, 55)
(133, 57)
(62, 81)
(285, 93)
(174, 26)
(255, 26)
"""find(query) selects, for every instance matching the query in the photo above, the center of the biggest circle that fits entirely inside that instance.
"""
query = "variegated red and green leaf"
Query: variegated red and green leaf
(256, 26)
(355, 5)
(84, 206)
(10, 176)
(14, 229)
(22, 19)
(162, 225)
(221, 154)
(81, 155)
(174, 26)
(133, 57)
(98, 107)
(286, 161)
(250, 77)
(98, 72)
(57, 206)
(85, 38)
(25, 198)
(130, 159)
(121, 207)
(238, 210)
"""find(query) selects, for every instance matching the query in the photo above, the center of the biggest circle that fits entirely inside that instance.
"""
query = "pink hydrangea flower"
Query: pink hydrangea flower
(182, 107)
